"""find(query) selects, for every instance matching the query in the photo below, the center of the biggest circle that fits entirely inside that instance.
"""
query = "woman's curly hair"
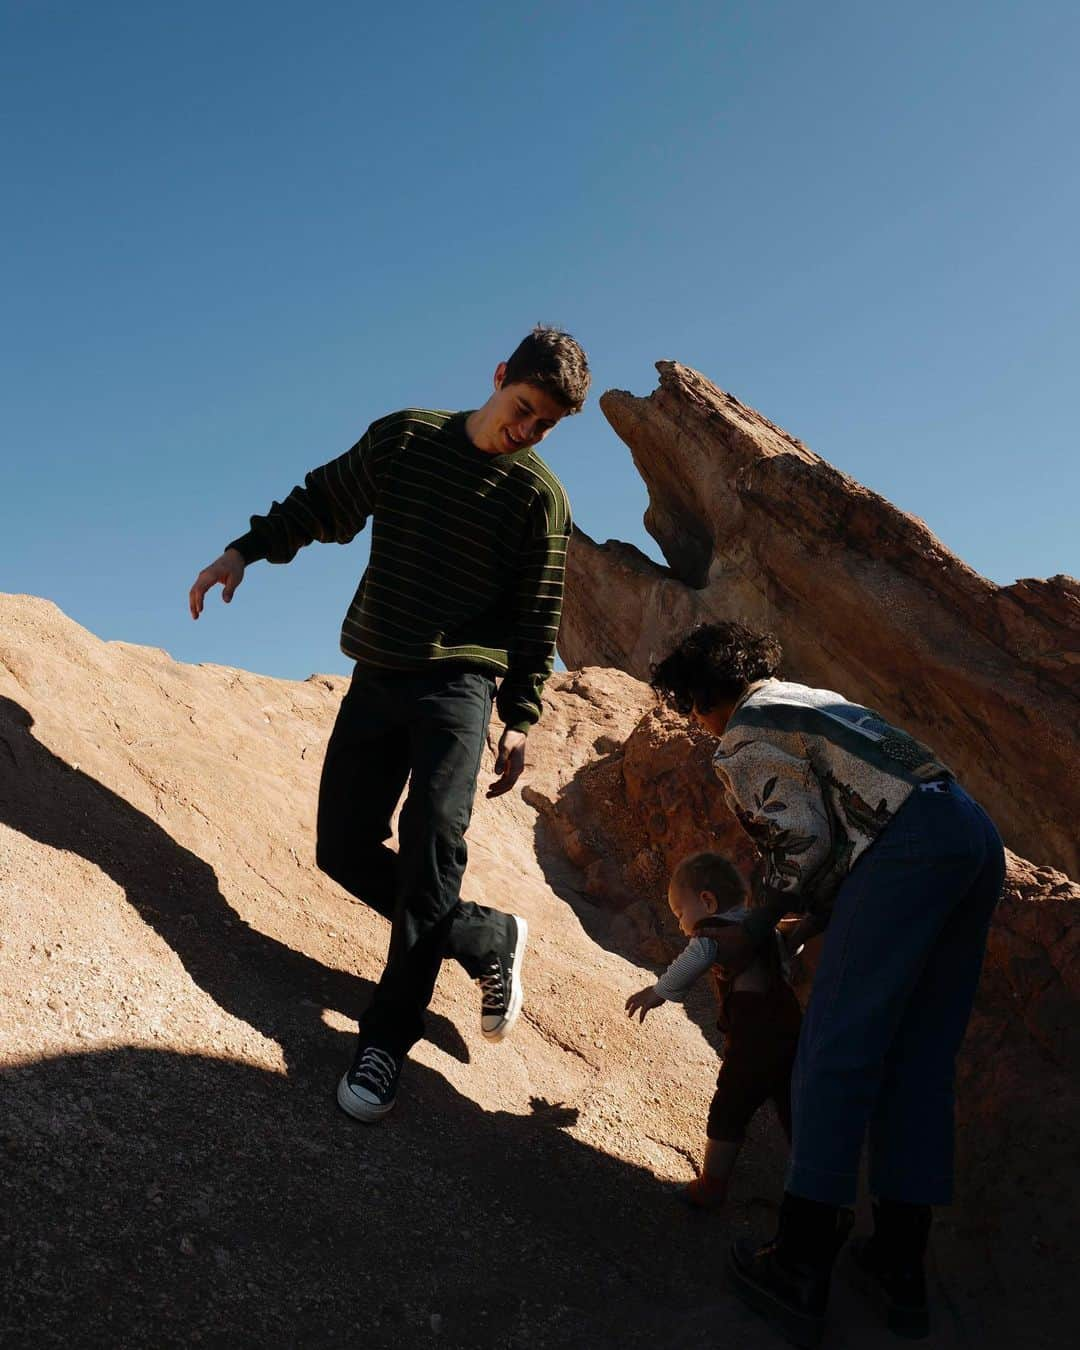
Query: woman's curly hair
(714, 663)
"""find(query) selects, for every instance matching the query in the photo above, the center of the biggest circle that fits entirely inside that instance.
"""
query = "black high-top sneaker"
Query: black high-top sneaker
(500, 982)
(890, 1266)
(787, 1280)
(369, 1089)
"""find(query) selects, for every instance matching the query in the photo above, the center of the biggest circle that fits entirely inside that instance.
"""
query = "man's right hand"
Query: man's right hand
(228, 570)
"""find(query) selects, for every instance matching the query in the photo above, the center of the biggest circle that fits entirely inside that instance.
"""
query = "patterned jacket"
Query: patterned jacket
(813, 779)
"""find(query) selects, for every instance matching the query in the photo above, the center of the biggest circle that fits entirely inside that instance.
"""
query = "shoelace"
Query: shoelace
(492, 993)
(377, 1067)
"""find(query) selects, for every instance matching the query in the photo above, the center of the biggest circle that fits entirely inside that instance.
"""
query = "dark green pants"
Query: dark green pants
(427, 727)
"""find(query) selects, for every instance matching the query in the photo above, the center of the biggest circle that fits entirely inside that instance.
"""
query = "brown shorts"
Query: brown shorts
(762, 1033)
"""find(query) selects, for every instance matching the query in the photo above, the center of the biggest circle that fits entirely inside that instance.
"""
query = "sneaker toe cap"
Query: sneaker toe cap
(359, 1102)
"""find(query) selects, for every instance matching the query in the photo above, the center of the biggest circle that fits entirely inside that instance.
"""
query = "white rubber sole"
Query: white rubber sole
(517, 992)
(354, 1106)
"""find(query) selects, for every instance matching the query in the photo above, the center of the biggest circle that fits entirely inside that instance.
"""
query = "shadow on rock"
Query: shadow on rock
(603, 926)
(153, 1199)
(278, 991)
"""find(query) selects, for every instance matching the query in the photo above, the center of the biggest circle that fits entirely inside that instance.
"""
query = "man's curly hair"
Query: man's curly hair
(714, 664)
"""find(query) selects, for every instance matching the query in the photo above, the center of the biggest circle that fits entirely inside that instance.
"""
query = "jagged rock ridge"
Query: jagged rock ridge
(866, 600)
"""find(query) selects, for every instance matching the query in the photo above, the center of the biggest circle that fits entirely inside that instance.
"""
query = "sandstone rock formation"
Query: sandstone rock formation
(180, 988)
(865, 599)
(179, 992)
(626, 819)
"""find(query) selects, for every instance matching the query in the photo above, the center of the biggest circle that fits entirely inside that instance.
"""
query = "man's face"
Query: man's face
(518, 415)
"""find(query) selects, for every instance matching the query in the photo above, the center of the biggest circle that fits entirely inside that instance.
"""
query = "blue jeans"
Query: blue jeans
(891, 1002)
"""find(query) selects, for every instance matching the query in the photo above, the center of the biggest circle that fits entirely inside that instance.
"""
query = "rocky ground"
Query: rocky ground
(179, 991)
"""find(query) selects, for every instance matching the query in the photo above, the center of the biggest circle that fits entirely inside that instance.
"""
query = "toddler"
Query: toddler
(759, 1013)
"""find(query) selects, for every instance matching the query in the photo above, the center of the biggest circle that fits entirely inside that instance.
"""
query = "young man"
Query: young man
(464, 584)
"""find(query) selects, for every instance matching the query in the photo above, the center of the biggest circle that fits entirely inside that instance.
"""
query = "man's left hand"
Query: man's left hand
(509, 763)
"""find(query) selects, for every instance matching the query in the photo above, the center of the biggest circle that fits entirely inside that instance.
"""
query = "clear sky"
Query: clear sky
(234, 233)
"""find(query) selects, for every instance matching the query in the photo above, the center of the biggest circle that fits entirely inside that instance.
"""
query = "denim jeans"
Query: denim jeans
(428, 727)
(891, 1001)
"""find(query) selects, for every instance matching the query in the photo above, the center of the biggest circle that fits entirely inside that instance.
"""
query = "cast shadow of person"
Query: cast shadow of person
(278, 991)
(151, 1198)
(566, 881)
(762, 1163)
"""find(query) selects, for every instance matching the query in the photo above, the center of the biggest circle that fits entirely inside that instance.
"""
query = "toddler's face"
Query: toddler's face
(688, 907)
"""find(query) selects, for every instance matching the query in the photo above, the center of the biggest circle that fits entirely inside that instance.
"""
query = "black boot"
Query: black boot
(787, 1280)
(891, 1266)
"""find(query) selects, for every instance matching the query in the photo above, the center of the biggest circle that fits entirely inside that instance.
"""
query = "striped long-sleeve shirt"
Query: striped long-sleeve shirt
(467, 558)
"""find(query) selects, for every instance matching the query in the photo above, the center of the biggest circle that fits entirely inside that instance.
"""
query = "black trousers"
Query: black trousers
(427, 727)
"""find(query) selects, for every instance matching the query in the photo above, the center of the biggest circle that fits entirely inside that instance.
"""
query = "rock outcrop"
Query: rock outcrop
(866, 600)
(180, 991)
(181, 986)
(626, 819)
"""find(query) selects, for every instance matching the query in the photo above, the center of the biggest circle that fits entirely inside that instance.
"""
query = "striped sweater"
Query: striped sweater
(468, 551)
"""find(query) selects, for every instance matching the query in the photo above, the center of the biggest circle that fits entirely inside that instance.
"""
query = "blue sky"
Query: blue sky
(235, 233)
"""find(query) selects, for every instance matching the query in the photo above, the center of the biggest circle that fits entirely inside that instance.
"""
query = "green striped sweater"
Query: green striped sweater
(468, 551)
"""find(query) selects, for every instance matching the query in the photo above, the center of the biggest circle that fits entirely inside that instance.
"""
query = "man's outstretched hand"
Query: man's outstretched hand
(509, 763)
(228, 570)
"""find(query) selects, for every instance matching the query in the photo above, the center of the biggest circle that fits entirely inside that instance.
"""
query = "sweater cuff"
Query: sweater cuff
(248, 547)
(519, 708)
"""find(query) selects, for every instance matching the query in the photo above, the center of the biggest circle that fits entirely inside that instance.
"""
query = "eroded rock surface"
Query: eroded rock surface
(866, 600)
(626, 819)
(180, 991)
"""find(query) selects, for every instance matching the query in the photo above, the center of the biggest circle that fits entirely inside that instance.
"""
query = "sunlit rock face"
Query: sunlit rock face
(866, 600)
(170, 947)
